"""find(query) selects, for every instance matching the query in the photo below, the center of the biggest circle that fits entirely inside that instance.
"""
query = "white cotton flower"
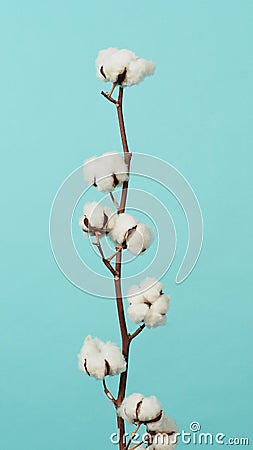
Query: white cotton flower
(137, 408)
(151, 288)
(148, 304)
(106, 171)
(149, 409)
(123, 223)
(153, 319)
(98, 358)
(134, 236)
(127, 409)
(137, 312)
(165, 425)
(122, 67)
(140, 240)
(96, 218)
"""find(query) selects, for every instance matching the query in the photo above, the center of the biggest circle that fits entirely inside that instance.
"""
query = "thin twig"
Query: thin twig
(136, 332)
(104, 259)
(111, 99)
(114, 201)
(118, 249)
(133, 434)
(108, 393)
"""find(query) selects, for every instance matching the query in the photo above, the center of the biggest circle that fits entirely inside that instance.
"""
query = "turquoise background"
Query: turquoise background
(196, 113)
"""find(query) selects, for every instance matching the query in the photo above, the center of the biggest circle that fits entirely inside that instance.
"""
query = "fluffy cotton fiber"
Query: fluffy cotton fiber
(98, 358)
(148, 303)
(137, 408)
(106, 172)
(122, 67)
(96, 218)
(136, 237)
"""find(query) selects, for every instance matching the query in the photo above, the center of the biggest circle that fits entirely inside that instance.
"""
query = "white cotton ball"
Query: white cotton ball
(90, 359)
(90, 169)
(117, 64)
(149, 409)
(103, 56)
(165, 425)
(134, 296)
(161, 305)
(112, 354)
(96, 218)
(137, 312)
(129, 406)
(140, 240)
(119, 167)
(137, 70)
(123, 223)
(151, 289)
(153, 319)
(96, 358)
(122, 66)
(106, 171)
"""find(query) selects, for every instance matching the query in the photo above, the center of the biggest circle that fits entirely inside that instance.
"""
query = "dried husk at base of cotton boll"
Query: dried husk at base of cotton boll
(106, 172)
(165, 425)
(99, 359)
(96, 219)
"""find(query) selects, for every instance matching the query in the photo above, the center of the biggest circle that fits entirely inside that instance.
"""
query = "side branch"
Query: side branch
(136, 332)
(108, 393)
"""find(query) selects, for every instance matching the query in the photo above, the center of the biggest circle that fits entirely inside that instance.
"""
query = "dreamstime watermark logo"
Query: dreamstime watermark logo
(150, 170)
(194, 435)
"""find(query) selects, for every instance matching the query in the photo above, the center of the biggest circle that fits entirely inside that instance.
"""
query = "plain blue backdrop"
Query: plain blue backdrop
(196, 113)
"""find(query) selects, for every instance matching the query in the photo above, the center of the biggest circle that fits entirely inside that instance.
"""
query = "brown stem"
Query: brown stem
(105, 261)
(108, 393)
(125, 337)
(136, 332)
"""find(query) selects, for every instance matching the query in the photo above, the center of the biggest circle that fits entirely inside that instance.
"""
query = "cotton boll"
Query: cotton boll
(165, 425)
(103, 56)
(112, 354)
(96, 218)
(123, 223)
(106, 171)
(147, 234)
(149, 409)
(128, 408)
(140, 240)
(90, 169)
(151, 289)
(122, 67)
(161, 305)
(153, 319)
(99, 359)
(137, 70)
(117, 65)
(137, 312)
(134, 296)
